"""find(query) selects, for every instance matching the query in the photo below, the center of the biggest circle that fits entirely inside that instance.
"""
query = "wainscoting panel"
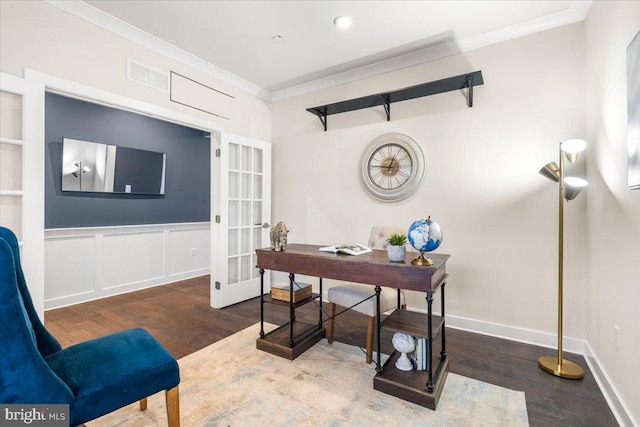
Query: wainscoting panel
(190, 251)
(69, 267)
(134, 257)
(83, 264)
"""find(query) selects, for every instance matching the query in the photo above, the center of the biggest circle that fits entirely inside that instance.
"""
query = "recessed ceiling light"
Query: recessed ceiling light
(342, 21)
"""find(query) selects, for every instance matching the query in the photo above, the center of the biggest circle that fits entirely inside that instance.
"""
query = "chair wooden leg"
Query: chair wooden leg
(143, 404)
(172, 399)
(330, 326)
(371, 324)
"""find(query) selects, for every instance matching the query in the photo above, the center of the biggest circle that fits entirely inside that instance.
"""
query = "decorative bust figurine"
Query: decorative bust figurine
(404, 343)
(279, 237)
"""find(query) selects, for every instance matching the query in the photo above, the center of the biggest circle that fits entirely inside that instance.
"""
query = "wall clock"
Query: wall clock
(392, 167)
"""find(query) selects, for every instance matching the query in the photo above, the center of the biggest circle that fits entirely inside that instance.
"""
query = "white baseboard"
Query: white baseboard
(523, 335)
(81, 297)
(618, 407)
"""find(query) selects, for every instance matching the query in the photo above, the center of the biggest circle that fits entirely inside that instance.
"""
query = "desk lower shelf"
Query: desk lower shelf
(411, 323)
(410, 385)
(305, 335)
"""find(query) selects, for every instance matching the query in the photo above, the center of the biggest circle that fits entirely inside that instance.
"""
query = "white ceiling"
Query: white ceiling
(236, 38)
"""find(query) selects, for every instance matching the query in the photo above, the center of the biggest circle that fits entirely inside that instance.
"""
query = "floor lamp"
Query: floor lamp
(569, 188)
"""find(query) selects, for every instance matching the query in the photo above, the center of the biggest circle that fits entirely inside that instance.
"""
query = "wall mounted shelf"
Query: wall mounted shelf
(387, 98)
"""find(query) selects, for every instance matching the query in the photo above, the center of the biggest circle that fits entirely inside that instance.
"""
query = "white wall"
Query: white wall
(613, 210)
(499, 216)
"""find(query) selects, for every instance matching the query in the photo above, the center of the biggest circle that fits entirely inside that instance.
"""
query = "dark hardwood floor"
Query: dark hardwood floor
(180, 317)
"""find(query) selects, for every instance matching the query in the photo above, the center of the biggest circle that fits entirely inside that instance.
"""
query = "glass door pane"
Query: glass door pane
(245, 210)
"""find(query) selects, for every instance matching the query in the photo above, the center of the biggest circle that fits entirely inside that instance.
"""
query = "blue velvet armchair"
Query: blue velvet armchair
(94, 377)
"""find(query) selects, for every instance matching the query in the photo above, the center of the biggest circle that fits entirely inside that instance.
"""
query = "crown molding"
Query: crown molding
(97, 17)
(577, 11)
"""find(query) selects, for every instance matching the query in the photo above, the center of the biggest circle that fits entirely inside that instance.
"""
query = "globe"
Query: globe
(425, 235)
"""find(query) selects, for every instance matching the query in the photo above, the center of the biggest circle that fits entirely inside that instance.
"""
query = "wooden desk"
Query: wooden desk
(375, 269)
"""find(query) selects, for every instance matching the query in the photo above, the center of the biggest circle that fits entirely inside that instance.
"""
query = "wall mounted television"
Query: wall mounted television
(103, 168)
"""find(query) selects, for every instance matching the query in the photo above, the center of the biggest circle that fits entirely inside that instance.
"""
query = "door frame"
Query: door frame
(68, 88)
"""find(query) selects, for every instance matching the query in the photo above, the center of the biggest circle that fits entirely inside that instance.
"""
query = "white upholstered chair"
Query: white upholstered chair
(349, 294)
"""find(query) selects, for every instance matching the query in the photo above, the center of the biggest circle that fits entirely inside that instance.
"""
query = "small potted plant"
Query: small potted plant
(396, 249)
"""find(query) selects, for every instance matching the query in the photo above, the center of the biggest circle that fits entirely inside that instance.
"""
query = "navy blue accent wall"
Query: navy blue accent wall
(187, 181)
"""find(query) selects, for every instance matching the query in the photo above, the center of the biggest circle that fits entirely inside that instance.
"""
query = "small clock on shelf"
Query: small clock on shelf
(392, 167)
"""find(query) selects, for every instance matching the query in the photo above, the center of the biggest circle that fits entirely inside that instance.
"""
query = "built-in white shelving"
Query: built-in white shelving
(11, 141)
(17, 193)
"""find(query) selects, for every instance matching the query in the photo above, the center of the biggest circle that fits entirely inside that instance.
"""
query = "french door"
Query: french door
(242, 220)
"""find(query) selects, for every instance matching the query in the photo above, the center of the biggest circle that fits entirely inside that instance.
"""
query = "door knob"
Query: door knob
(266, 225)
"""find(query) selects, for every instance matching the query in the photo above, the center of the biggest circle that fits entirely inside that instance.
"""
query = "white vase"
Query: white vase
(404, 343)
(396, 253)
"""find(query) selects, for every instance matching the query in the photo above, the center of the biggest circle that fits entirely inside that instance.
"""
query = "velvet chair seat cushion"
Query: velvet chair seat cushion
(110, 372)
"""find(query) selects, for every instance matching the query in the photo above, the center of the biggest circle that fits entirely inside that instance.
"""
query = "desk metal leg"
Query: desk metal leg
(443, 353)
(379, 364)
(430, 332)
(262, 303)
(292, 311)
(320, 314)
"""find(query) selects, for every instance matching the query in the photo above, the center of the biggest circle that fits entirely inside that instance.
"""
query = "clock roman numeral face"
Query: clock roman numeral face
(390, 166)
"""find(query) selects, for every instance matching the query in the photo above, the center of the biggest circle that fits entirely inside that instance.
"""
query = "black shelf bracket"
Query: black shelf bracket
(322, 115)
(323, 120)
(385, 99)
(387, 106)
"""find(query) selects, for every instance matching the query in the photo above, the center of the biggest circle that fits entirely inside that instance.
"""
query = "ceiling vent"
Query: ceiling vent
(145, 75)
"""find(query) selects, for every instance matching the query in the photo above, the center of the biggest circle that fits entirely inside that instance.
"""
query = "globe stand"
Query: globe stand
(422, 260)
(403, 363)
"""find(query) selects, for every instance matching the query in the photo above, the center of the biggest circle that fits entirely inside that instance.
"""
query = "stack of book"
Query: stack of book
(300, 291)
(420, 356)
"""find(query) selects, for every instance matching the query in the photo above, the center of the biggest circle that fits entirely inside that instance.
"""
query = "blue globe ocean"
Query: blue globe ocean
(425, 235)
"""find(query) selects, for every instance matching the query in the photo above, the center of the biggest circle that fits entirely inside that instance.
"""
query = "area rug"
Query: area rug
(231, 383)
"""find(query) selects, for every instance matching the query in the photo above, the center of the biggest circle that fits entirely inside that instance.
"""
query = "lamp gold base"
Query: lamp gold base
(422, 260)
(566, 369)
